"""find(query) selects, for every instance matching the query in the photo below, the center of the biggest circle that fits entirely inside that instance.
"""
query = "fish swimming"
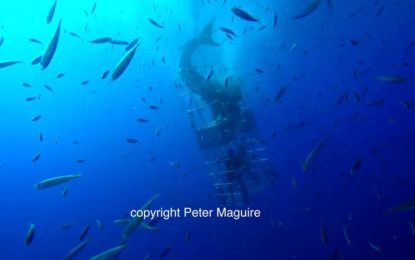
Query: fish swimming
(30, 234)
(323, 233)
(104, 74)
(48, 88)
(405, 206)
(391, 79)
(36, 118)
(275, 21)
(8, 63)
(36, 60)
(305, 164)
(76, 250)
(51, 49)
(101, 40)
(51, 12)
(56, 181)
(84, 232)
(131, 140)
(243, 15)
(35, 40)
(165, 252)
(132, 225)
(109, 254)
(155, 23)
(310, 7)
(66, 226)
(132, 44)
(123, 64)
(227, 30)
(118, 42)
(346, 236)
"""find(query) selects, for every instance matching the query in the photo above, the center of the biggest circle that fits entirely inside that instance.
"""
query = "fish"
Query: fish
(335, 254)
(35, 40)
(132, 225)
(280, 94)
(109, 254)
(187, 238)
(84, 232)
(355, 167)
(155, 23)
(30, 234)
(354, 42)
(35, 157)
(411, 225)
(47, 183)
(261, 28)
(123, 64)
(153, 107)
(104, 74)
(51, 49)
(8, 63)
(32, 98)
(118, 42)
(84, 82)
(66, 226)
(209, 76)
(60, 75)
(323, 232)
(101, 40)
(329, 5)
(131, 140)
(165, 252)
(74, 35)
(374, 247)
(93, 8)
(294, 183)
(226, 82)
(305, 164)
(48, 88)
(346, 236)
(1, 41)
(36, 60)
(391, 79)
(406, 104)
(80, 161)
(227, 30)
(36, 118)
(405, 206)
(99, 224)
(51, 12)
(309, 7)
(274, 26)
(243, 15)
(132, 44)
(142, 120)
(65, 192)
(76, 250)
(41, 136)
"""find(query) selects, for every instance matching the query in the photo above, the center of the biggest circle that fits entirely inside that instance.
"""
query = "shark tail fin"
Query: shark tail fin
(205, 35)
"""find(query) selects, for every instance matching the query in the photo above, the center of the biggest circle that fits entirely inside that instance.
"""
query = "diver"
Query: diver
(236, 164)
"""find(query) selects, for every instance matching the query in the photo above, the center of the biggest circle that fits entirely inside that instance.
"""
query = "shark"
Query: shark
(222, 98)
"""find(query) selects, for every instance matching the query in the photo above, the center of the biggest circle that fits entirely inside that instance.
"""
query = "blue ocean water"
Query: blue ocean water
(343, 74)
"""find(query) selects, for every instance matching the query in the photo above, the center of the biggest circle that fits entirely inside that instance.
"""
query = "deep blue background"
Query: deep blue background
(102, 114)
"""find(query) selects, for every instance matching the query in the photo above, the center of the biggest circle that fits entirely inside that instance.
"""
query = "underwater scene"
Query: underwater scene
(207, 129)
